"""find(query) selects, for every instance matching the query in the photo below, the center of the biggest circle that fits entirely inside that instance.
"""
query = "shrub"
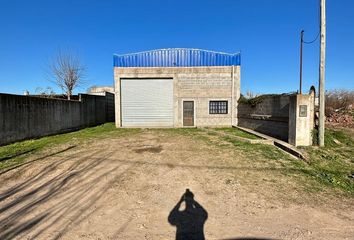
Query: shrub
(338, 99)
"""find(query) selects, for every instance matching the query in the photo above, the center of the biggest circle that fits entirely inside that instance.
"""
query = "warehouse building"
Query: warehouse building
(176, 88)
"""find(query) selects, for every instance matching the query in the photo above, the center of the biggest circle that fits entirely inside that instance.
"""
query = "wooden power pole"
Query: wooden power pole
(321, 120)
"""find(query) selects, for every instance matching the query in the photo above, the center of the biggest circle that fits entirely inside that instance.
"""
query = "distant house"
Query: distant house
(100, 90)
(176, 88)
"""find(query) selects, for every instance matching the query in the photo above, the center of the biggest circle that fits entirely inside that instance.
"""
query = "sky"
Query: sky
(267, 32)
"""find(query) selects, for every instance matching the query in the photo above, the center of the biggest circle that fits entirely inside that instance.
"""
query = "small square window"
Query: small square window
(218, 107)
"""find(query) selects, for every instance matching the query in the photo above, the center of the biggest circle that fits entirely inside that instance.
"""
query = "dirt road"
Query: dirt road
(130, 188)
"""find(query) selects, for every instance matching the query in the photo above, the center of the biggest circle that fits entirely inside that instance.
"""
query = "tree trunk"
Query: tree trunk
(69, 95)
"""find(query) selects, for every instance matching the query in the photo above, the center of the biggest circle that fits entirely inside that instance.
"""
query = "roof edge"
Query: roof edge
(169, 49)
(177, 57)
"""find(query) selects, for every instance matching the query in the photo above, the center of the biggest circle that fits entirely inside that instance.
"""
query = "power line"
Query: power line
(319, 23)
(313, 40)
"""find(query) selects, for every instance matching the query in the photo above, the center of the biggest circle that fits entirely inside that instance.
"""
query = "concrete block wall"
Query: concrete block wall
(270, 116)
(202, 88)
(24, 117)
(200, 84)
(274, 105)
(272, 128)
(110, 107)
(279, 116)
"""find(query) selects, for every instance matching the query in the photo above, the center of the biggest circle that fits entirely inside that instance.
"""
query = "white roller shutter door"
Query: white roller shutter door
(147, 102)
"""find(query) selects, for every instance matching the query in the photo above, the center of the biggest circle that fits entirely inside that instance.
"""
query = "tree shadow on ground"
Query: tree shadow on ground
(16, 154)
(60, 196)
(34, 160)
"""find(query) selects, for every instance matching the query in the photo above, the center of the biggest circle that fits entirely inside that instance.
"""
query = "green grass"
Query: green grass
(327, 168)
(259, 152)
(237, 132)
(14, 154)
(332, 164)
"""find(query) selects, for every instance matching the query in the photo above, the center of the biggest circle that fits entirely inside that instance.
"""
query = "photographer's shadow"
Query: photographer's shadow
(190, 221)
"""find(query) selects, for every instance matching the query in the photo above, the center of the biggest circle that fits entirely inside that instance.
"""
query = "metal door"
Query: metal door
(147, 102)
(188, 113)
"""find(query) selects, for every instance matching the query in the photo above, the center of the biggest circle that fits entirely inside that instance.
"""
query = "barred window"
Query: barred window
(218, 107)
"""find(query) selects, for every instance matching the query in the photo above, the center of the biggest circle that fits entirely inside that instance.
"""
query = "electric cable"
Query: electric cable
(319, 22)
(312, 40)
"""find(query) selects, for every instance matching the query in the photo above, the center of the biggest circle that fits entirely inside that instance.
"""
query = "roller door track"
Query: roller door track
(147, 102)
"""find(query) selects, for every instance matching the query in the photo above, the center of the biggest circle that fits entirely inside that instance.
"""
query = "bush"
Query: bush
(337, 100)
(254, 101)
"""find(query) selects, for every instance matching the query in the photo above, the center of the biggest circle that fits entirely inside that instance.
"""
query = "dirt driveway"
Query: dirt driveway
(130, 188)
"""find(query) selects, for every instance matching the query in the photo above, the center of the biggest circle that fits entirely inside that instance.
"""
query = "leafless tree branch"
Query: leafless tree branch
(67, 71)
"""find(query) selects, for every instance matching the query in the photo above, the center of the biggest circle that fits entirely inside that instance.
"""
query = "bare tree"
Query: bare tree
(338, 100)
(67, 71)
(47, 92)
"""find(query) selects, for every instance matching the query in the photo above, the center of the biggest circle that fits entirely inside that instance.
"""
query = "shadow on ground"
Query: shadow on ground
(60, 196)
(190, 221)
(31, 161)
(16, 154)
(248, 238)
(65, 192)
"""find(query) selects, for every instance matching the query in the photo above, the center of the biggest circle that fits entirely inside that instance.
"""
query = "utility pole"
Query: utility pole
(301, 47)
(321, 120)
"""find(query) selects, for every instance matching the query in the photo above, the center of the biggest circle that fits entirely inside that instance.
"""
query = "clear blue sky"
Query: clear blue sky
(265, 31)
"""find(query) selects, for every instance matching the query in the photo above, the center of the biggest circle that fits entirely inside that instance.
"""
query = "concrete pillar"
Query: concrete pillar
(236, 92)
(117, 99)
(301, 119)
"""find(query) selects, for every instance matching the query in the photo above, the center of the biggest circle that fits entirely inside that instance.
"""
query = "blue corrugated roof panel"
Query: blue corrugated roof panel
(177, 57)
